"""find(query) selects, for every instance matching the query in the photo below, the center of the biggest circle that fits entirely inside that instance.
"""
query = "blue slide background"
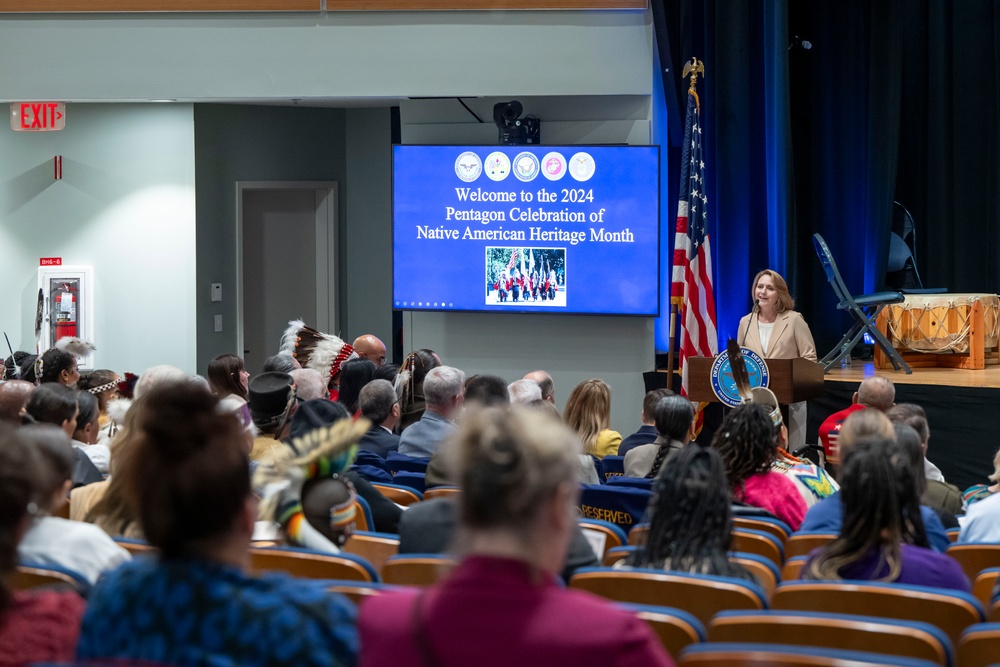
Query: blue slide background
(601, 278)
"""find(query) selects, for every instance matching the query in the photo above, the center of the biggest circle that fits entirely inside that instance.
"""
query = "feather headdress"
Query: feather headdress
(314, 349)
(76, 346)
(739, 369)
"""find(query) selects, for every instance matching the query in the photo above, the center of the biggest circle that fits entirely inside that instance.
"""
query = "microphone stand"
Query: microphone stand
(756, 305)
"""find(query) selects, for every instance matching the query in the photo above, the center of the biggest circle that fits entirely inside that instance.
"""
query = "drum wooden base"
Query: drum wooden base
(977, 355)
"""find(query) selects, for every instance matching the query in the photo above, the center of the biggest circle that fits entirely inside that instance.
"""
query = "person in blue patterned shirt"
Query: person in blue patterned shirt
(194, 604)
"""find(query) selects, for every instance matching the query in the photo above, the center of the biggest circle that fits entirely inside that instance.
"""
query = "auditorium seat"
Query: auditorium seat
(311, 564)
(397, 462)
(401, 495)
(413, 480)
(416, 569)
(373, 547)
(608, 534)
(637, 536)
(700, 595)
(761, 567)
(776, 527)
(363, 515)
(134, 546)
(355, 591)
(621, 505)
(34, 576)
(952, 611)
(974, 558)
(758, 542)
(800, 544)
(612, 466)
(767, 655)
(984, 584)
(675, 628)
(837, 631)
(792, 569)
(631, 482)
(979, 645)
(612, 556)
(441, 491)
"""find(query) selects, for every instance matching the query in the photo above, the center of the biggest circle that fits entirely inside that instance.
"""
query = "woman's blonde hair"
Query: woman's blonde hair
(509, 464)
(588, 411)
(785, 300)
(114, 512)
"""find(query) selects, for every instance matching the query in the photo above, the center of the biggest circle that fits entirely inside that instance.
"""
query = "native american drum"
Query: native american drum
(954, 329)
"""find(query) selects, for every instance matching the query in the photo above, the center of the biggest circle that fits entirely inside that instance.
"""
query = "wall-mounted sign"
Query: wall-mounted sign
(37, 116)
(50, 261)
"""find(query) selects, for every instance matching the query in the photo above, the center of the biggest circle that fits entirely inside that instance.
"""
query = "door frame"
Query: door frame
(326, 256)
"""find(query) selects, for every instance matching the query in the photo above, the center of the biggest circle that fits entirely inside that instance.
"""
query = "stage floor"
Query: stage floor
(989, 377)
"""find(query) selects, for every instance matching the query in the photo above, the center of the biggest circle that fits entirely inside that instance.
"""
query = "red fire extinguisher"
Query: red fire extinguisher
(64, 307)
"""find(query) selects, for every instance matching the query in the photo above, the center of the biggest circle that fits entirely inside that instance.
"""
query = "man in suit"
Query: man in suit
(380, 406)
(647, 432)
(444, 394)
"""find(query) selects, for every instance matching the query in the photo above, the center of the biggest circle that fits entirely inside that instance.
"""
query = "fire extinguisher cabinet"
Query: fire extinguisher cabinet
(67, 304)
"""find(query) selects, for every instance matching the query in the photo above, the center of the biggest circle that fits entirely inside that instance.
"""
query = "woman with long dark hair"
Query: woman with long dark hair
(354, 375)
(748, 443)
(228, 376)
(410, 385)
(691, 519)
(883, 537)
(189, 479)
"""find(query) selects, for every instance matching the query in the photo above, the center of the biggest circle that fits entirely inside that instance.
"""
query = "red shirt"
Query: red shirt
(40, 627)
(496, 612)
(829, 431)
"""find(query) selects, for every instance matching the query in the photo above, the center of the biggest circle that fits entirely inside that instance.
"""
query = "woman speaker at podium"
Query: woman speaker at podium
(775, 331)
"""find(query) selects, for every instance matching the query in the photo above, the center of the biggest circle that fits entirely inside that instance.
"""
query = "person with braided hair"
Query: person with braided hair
(674, 420)
(748, 444)
(410, 385)
(57, 365)
(691, 520)
(37, 625)
(194, 603)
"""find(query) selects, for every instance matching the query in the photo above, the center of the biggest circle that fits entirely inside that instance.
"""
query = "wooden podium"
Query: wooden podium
(791, 380)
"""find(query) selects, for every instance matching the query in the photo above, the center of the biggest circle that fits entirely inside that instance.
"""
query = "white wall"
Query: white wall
(125, 206)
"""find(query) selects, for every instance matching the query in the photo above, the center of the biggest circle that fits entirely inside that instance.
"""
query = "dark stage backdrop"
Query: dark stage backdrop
(897, 99)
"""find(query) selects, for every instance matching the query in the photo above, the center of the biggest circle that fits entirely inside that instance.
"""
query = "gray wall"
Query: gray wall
(125, 206)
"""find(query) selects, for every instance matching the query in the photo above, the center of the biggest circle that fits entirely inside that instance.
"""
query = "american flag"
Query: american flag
(513, 260)
(691, 286)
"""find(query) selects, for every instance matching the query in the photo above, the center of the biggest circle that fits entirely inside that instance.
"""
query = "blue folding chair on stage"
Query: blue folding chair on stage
(862, 309)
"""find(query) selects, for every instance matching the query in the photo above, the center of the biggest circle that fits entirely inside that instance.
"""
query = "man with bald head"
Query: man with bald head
(546, 384)
(371, 348)
(13, 397)
(875, 392)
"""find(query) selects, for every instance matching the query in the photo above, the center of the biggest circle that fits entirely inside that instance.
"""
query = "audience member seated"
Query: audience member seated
(487, 391)
(283, 362)
(87, 431)
(545, 383)
(52, 403)
(938, 494)
(883, 536)
(748, 444)
(354, 375)
(59, 366)
(647, 432)
(368, 346)
(157, 375)
(188, 477)
(73, 545)
(38, 625)
(443, 392)
(103, 385)
(981, 522)
(517, 510)
(827, 516)
(228, 376)
(875, 392)
(316, 414)
(309, 384)
(272, 403)
(588, 414)
(673, 417)
(387, 372)
(978, 492)
(410, 385)
(13, 397)
(690, 516)
(380, 406)
(524, 392)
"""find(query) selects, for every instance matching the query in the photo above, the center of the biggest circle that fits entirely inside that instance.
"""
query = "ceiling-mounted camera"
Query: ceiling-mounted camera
(514, 130)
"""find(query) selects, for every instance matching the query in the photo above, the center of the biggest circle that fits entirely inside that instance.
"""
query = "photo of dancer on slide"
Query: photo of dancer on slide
(526, 277)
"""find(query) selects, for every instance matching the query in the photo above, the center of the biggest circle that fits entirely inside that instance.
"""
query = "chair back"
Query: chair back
(613, 556)
(760, 543)
(620, 505)
(974, 558)
(631, 482)
(762, 568)
(701, 595)
(979, 645)
(310, 564)
(836, 631)
(133, 546)
(355, 591)
(638, 535)
(800, 544)
(602, 535)
(676, 629)
(984, 584)
(401, 495)
(769, 655)
(440, 491)
(953, 534)
(373, 547)
(776, 527)
(612, 466)
(792, 569)
(952, 611)
(363, 515)
(37, 576)
(367, 458)
(413, 480)
(417, 569)
(397, 462)
(372, 473)
(831, 271)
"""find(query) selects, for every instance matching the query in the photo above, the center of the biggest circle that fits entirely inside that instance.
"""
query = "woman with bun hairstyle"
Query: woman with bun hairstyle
(36, 625)
(503, 604)
(194, 603)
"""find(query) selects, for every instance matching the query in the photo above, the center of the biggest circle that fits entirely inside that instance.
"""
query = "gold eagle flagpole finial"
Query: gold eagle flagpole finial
(693, 69)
